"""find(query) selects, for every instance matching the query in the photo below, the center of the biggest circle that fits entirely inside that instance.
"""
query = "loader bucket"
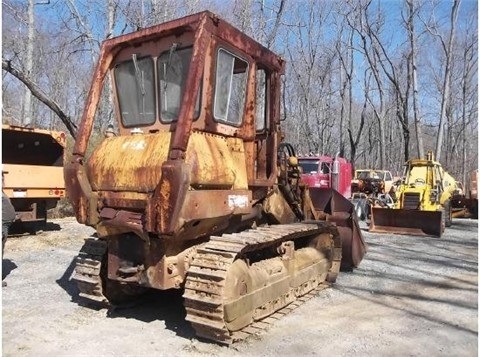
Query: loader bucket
(339, 210)
(402, 221)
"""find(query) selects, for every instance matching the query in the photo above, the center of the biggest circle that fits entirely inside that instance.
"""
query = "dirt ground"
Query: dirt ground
(411, 296)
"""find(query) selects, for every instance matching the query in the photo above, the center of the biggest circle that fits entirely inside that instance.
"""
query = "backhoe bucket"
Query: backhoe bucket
(402, 221)
(339, 210)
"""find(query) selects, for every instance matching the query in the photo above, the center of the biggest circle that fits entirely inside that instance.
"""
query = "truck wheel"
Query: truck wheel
(448, 214)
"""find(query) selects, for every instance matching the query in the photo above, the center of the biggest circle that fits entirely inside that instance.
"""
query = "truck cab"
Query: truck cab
(320, 171)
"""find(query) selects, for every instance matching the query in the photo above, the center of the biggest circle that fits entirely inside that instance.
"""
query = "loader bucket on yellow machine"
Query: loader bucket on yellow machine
(403, 221)
(339, 210)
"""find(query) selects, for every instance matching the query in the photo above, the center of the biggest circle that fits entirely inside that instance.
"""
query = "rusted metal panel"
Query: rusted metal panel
(276, 207)
(339, 210)
(215, 162)
(131, 200)
(134, 166)
(82, 198)
(204, 204)
(184, 124)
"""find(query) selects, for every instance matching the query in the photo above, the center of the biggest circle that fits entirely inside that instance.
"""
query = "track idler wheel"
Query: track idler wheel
(238, 282)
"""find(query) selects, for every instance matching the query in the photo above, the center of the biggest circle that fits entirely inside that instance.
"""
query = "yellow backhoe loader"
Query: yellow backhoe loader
(423, 205)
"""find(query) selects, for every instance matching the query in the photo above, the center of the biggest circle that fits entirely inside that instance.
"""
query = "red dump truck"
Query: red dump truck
(32, 173)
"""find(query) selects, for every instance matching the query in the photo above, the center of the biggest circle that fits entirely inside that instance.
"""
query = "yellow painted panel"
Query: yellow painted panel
(32, 176)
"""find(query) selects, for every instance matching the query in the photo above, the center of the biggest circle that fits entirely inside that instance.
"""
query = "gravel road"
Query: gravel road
(411, 296)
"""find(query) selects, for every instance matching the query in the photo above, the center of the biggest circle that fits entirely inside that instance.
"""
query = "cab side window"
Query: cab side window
(324, 168)
(261, 98)
(230, 88)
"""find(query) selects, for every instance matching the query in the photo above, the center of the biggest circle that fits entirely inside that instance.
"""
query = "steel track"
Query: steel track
(88, 269)
(206, 278)
(203, 298)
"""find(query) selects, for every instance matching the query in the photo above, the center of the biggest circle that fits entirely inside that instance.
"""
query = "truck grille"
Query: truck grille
(411, 200)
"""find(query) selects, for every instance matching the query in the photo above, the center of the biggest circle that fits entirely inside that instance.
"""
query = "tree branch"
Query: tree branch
(41, 96)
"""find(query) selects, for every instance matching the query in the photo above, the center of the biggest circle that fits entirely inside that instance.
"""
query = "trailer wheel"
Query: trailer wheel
(448, 214)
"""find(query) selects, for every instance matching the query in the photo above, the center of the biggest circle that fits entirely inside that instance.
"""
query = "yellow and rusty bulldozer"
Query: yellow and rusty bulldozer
(194, 188)
(423, 205)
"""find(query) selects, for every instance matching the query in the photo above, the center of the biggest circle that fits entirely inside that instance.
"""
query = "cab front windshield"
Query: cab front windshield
(308, 166)
(138, 91)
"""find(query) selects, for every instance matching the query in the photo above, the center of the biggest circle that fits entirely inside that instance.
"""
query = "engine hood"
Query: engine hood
(134, 163)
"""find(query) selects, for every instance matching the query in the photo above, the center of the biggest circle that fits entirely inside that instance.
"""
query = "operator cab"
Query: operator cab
(205, 76)
(150, 85)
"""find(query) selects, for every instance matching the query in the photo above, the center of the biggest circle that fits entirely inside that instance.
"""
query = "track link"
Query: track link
(204, 286)
(87, 271)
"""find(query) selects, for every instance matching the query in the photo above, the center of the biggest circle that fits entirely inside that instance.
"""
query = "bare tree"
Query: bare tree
(410, 25)
(311, 66)
(469, 99)
(447, 46)
(369, 43)
(344, 50)
(39, 94)
(27, 104)
(353, 84)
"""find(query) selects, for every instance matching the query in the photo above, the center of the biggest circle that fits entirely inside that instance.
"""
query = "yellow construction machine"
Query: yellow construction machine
(423, 205)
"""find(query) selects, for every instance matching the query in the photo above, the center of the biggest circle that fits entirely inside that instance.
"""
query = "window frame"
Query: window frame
(266, 101)
(246, 73)
(197, 111)
(119, 99)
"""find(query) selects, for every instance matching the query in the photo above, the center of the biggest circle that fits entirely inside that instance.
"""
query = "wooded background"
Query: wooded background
(378, 82)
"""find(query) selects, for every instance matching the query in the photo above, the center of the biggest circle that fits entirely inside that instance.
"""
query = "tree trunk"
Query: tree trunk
(446, 79)
(413, 59)
(27, 98)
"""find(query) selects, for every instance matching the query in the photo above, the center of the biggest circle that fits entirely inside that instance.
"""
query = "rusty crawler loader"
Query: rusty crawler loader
(196, 190)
